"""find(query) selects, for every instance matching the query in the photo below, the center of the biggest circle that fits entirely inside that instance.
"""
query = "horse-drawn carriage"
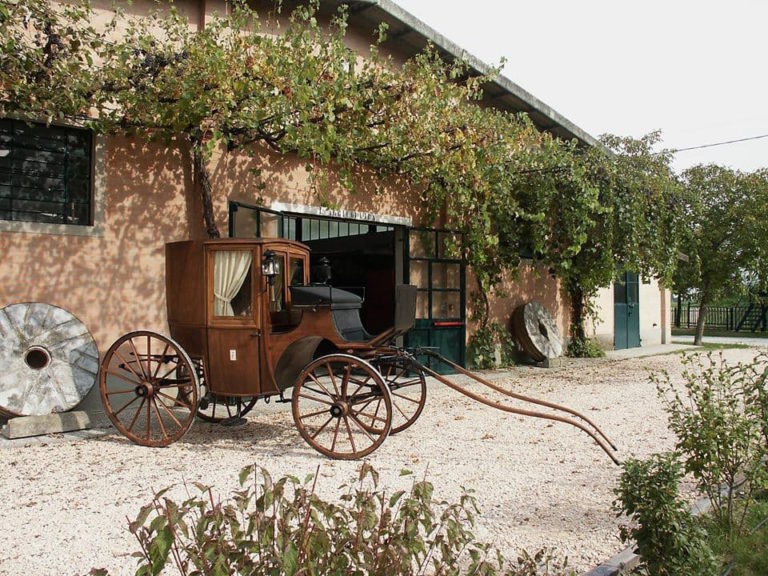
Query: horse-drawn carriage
(247, 324)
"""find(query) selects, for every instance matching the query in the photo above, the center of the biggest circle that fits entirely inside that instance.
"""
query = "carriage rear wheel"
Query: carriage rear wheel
(342, 406)
(149, 388)
(407, 386)
(216, 408)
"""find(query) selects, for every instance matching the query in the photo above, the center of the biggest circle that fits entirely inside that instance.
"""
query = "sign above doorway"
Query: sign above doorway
(341, 213)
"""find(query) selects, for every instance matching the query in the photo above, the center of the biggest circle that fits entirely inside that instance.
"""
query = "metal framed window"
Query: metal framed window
(247, 221)
(45, 173)
(434, 264)
(438, 273)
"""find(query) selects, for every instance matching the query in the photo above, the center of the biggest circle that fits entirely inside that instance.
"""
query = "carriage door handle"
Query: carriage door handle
(256, 334)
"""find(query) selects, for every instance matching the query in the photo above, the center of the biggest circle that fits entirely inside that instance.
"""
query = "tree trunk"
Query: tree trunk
(486, 313)
(703, 306)
(577, 312)
(679, 311)
(203, 180)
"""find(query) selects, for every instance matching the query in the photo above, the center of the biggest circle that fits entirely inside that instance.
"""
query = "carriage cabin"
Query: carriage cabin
(246, 312)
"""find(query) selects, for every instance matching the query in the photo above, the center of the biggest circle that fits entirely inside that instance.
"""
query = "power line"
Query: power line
(719, 143)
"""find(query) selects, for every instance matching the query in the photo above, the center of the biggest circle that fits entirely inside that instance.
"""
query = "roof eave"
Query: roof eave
(553, 121)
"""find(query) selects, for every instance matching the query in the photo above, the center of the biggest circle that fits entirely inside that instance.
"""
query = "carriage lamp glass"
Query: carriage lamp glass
(269, 266)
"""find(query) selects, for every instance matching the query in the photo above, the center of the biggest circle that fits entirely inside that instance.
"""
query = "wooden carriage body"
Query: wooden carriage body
(252, 334)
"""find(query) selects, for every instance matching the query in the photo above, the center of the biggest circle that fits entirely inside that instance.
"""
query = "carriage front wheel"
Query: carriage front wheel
(217, 409)
(408, 388)
(149, 388)
(342, 406)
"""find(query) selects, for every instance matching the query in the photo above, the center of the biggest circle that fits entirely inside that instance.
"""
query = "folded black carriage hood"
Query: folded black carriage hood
(337, 299)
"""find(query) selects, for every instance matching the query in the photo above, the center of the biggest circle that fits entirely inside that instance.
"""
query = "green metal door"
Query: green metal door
(434, 266)
(626, 312)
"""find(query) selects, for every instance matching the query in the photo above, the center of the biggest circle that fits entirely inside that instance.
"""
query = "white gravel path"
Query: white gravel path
(63, 506)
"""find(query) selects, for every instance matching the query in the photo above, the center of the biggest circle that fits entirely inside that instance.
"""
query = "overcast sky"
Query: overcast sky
(696, 70)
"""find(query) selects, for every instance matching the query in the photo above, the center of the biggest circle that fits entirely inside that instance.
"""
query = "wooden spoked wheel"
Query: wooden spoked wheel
(407, 386)
(215, 408)
(342, 407)
(149, 388)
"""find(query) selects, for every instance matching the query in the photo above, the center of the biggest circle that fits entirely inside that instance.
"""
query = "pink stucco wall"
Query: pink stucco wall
(529, 283)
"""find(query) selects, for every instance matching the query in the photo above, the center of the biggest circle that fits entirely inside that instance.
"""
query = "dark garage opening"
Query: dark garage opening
(365, 262)
(361, 254)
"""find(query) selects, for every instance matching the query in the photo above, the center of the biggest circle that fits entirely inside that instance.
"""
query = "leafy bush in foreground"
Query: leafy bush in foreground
(719, 424)
(283, 528)
(719, 419)
(669, 540)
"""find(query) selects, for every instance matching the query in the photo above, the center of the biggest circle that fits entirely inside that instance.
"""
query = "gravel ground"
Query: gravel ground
(64, 505)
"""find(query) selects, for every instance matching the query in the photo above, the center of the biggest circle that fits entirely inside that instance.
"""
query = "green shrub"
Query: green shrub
(484, 343)
(584, 348)
(669, 540)
(752, 378)
(746, 555)
(283, 528)
(719, 425)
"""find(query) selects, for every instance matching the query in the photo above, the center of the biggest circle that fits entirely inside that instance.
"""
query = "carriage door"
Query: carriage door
(234, 321)
(434, 266)
(626, 312)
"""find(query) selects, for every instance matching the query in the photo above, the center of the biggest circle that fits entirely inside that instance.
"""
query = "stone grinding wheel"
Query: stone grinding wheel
(537, 332)
(48, 360)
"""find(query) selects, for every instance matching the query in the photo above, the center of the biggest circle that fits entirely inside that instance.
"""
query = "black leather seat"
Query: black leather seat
(345, 308)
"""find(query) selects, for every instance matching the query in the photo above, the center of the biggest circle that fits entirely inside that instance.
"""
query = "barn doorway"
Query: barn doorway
(370, 258)
(361, 254)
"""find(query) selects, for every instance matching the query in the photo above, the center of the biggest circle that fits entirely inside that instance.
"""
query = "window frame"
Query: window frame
(250, 320)
(283, 257)
(95, 228)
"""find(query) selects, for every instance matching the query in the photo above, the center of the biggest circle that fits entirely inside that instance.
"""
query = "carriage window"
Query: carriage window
(297, 272)
(232, 283)
(276, 296)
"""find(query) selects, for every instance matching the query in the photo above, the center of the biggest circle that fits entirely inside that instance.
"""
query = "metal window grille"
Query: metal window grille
(247, 221)
(45, 173)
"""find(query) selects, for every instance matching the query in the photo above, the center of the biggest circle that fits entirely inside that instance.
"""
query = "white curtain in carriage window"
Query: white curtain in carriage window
(230, 270)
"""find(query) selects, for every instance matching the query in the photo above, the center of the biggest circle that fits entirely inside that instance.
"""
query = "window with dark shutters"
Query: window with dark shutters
(45, 173)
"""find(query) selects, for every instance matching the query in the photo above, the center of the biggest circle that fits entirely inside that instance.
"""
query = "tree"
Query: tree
(726, 235)
(226, 86)
(609, 210)
(47, 68)
(230, 87)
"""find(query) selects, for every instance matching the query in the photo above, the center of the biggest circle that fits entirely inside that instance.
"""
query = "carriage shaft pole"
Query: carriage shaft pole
(521, 411)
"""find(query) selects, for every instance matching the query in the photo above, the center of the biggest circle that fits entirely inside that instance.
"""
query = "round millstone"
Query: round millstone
(537, 332)
(48, 360)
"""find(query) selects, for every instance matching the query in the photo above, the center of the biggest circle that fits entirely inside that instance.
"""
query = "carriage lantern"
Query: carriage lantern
(269, 267)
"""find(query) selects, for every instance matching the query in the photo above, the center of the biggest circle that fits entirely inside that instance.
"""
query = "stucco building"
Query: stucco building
(90, 235)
